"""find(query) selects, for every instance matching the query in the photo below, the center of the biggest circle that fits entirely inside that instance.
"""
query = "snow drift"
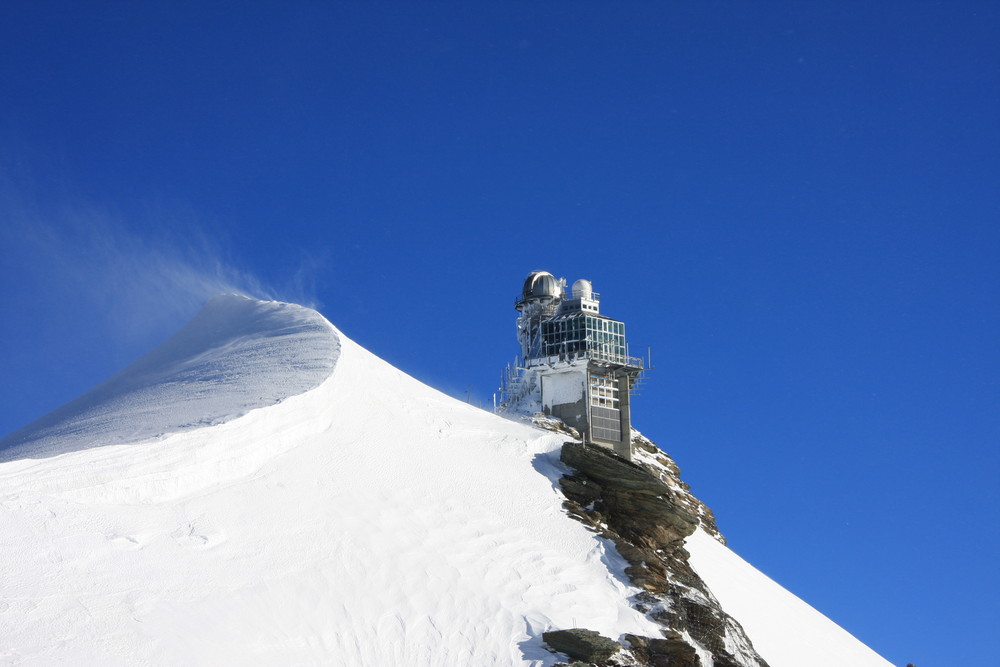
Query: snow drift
(261, 490)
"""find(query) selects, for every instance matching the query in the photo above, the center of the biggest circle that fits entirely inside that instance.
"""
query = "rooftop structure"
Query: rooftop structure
(574, 362)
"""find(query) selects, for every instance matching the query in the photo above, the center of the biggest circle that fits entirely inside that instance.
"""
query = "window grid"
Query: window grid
(604, 392)
(600, 338)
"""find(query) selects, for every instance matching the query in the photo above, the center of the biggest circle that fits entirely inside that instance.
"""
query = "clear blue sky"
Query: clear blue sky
(795, 204)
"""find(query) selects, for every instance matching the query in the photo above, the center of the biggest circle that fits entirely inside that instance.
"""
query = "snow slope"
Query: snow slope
(369, 521)
(785, 630)
(261, 490)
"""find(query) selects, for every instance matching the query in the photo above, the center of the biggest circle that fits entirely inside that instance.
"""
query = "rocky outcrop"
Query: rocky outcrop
(647, 511)
(642, 508)
(655, 461)
(582, 645)
(672, 651)
(554, 424)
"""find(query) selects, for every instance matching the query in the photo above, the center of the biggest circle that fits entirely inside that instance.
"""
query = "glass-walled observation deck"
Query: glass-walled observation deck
(578, 335)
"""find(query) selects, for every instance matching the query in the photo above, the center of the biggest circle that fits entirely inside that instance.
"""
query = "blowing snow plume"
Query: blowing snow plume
(88, 290)
(138, 283)
(233, 357)
(112, 291)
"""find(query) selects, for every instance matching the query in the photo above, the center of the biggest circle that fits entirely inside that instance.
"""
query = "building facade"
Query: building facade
(574, 363)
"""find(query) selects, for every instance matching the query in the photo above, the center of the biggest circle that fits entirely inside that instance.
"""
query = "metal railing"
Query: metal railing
(594, 296)
(592, 354)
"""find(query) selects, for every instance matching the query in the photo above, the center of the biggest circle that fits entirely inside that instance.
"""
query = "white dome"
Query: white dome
(582, 289)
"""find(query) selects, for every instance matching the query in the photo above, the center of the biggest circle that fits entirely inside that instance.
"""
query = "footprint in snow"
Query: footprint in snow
(187, 535)
(124, 542)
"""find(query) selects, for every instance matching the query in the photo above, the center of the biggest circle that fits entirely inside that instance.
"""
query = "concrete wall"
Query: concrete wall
(565, 394)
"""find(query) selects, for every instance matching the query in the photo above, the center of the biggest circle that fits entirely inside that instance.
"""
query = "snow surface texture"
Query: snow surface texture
(785, 630)
(369, 520)
(236, 355)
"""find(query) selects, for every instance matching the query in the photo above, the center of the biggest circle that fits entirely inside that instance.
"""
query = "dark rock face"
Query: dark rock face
(660, 465)
(639, 506)
(581, 644)
(645, 509)
(670, 652)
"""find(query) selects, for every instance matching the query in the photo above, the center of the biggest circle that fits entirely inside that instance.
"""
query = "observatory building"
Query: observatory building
(574, 363)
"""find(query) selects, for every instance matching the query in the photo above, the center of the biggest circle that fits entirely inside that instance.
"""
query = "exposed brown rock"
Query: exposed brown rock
(660, 465)
(581, 644)
(645, 509)
(641, 507)
(672, 651)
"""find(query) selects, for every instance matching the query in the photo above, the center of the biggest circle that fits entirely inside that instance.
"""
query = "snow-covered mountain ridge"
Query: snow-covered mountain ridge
(236, 355)
(262, 490)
